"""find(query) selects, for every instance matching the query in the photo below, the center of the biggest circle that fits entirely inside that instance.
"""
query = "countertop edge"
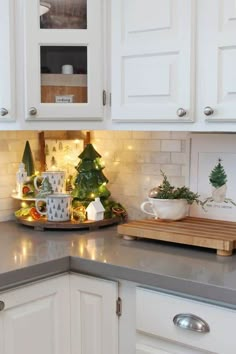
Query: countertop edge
(19, 277)
(176, 286)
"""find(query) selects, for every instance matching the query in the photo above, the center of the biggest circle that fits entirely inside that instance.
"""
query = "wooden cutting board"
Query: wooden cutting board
(219, 235)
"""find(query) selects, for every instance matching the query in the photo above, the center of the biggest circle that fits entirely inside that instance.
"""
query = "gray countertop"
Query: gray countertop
(26, 254)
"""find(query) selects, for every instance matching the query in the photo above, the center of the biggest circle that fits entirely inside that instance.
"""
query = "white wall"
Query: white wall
(133, 161)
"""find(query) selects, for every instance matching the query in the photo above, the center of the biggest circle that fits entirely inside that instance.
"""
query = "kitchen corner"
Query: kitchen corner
(27, 256)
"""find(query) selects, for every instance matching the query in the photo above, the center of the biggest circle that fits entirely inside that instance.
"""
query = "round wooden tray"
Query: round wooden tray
(67, 225)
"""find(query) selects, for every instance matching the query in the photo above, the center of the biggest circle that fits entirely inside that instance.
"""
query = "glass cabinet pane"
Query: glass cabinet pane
(63, 14)
(63, 74)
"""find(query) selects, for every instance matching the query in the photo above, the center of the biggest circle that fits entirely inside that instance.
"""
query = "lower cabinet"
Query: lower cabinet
(69, 314)
(36, 318)
(167, 324)
(94, 323)
(76, 314)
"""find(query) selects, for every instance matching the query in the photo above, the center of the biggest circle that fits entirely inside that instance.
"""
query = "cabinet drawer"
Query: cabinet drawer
(155, 313)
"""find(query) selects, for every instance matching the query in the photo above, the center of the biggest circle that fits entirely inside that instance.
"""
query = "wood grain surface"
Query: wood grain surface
(219, 235)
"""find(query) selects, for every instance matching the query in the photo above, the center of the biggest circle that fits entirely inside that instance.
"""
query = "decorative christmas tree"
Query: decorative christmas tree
(90, 182)
(218, 176)
(27, 159)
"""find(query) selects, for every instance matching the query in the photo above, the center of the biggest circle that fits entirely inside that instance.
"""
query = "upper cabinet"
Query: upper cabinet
(174, 61)
(153, 60)
(7, 60)
(170, 65)
(63, 59)
(216, 61)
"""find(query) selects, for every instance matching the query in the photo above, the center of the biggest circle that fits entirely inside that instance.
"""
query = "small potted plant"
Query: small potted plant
(168, 202)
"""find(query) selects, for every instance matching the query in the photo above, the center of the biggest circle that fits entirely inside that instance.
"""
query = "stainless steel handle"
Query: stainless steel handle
(32, 111)
(208, 111)
(3, 112)
(2, 305)
(191, 322)
(181, 112)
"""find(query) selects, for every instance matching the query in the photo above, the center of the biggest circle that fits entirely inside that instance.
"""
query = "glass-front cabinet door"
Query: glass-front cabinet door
(7, 63)
(63, 59)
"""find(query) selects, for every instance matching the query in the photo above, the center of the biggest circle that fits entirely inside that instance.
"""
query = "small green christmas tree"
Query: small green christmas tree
(218, 176)
(90, 181)
(27, 159)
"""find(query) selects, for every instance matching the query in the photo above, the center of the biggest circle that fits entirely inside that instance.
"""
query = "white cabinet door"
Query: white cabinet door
(94, 323)
(152, 60)
(36, 318)
(7, 66)
(216, 60)
(64, 60)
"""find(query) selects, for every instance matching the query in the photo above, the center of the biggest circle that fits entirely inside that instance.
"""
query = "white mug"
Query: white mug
(166, 209)
(58, 207)
(56, 179)
(67, 69)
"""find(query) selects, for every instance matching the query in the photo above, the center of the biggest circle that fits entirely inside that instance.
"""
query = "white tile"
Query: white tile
(180, 135)
(178, 158)
(160, 157)
(161, 135)
(171, 145)
(172, 170)
(141, 135)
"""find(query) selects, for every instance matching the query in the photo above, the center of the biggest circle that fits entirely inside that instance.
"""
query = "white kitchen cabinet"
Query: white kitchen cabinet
(69, 314)
(216, 61)
(94, 323)
(152, 60)
(157, 333)
(174, 61)
(36, 318)
(63, 60)
(7, 62)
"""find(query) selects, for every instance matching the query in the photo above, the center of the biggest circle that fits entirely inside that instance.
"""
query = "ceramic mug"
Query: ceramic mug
(58, 206)
(166, 209)
(67, 69)
(56, 179)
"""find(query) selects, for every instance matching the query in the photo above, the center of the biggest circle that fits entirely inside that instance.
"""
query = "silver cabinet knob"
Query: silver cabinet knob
(208, 111)
(181, 112)
(32, 111)
(2, 305)
(191, 322)
(3, 112)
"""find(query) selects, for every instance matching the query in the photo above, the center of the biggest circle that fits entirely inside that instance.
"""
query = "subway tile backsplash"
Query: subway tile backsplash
(133, 161)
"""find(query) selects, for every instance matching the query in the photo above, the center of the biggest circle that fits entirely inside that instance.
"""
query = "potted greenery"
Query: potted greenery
(169, 202)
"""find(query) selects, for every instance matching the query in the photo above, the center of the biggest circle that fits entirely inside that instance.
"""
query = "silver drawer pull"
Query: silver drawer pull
(3, 112)
(191, 322)
(32, 111)
(181, 112)
(2, 305)
(208, 111)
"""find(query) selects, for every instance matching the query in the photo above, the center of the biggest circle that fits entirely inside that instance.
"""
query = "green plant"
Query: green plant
(166, 191)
